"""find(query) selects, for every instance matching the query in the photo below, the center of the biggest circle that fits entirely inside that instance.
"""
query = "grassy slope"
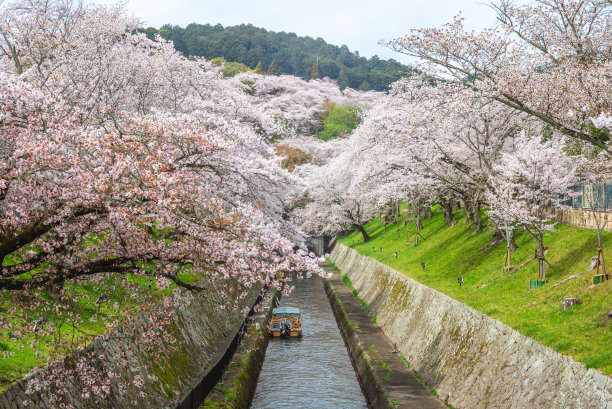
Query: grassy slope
(20, 358)
(582, 331)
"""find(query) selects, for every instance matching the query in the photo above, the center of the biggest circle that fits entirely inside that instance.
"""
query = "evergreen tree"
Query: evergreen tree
(273, 69)
(365, 86)
(293, 55)
(314, 74)
(259, 68)
(343, 81)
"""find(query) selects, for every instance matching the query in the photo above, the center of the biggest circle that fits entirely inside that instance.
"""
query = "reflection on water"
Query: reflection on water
(313, 371)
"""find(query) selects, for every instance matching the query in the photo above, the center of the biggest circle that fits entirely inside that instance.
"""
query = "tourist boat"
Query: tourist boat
(285, 322)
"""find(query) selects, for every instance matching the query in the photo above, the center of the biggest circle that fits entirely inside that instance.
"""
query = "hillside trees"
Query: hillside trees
(294, 55)
(296, 106)
(314, 74)
(273, 69)
(425, 144)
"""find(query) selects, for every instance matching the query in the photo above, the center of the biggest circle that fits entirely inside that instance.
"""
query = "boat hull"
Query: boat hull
(292, 334)
(285, 322)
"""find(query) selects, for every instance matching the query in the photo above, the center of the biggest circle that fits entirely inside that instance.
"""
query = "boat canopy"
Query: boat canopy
(286, 311)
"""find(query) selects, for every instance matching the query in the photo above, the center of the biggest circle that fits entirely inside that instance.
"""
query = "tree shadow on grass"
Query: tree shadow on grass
(571, 260)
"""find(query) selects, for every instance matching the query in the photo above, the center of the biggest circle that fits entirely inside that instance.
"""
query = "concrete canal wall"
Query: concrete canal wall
(472, 360)
(386, 381)
(202, 331)
(237, 387)
(371, 386)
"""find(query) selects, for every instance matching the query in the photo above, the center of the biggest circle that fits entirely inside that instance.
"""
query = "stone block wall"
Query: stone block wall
(200, 328)
(472, 360)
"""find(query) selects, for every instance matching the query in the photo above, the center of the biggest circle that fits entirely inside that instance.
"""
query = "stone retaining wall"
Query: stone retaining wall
(372, 387)
(472, 360)
(584, 218)
(200, 329)
(237, 387)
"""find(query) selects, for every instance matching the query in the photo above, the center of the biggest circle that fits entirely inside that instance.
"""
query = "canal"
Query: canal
(314, 371)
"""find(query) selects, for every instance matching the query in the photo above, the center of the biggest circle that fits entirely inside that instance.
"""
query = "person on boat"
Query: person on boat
(285, 329)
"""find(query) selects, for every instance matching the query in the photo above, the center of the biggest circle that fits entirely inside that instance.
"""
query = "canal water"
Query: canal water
(314, 371)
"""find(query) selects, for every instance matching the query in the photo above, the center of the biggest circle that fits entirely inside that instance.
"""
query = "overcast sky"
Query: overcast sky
(359, 24)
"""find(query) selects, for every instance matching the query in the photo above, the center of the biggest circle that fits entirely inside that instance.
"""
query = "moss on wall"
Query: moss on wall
(199, 328)
(471, 359)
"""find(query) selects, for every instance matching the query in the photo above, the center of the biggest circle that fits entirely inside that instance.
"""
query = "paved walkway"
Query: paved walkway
(398, 381)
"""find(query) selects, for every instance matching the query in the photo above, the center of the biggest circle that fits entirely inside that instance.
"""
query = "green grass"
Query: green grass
(76, 324)
(582, 331)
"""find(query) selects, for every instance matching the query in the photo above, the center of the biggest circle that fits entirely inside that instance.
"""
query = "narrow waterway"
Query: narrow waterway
(314, 371)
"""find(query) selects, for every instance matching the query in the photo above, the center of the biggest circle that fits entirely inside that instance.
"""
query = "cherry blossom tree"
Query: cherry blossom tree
(328, 204)
(448, 135)
(295, 104)
(364, 174)
(121, 158)
(531, 182)
(548, 58)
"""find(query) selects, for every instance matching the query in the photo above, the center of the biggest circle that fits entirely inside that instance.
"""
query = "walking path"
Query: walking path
(385, 377)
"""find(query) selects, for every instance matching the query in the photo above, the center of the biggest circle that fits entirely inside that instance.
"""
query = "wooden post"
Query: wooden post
(408, 232)
(600, 267)
(540, 252)
(601, 274)
(507, 260)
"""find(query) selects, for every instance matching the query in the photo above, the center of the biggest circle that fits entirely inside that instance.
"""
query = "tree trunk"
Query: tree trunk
(427, 213)
(511, 240)
(468, 211)
(363, 232)
(541, 260)
(510, 244)
(476, 218)
(397, 215)
(508, 258)
(542, 269)
(54, 288)
(507, 234)
(447, 208)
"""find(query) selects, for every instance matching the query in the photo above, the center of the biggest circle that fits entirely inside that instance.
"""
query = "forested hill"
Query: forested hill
(294, 55)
